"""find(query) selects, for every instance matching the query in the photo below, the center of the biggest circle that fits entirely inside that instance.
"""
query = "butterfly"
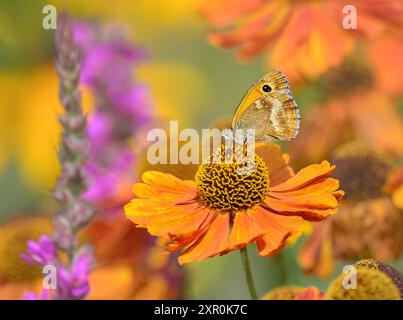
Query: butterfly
(269, 108)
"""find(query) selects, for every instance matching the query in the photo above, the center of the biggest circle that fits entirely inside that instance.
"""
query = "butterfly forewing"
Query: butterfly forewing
(269, 108)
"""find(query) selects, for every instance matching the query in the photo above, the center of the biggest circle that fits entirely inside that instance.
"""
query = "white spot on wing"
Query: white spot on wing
(276, 107)
(258, 104)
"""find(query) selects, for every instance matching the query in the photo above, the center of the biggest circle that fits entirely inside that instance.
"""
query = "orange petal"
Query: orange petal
(278, 229)
(247, 228)
(244, 33)
(122, 286)
(165, 187)
(166, 221)
(224, 12)
(277, 163)
(279, 13)
(394, 180)
(317, 253)
(306, 176)
(214, 241)
(310, 194)
(310, 293)
(373, 19)
(388, 71)
(304, 48)
(180, 241)
(296, 30)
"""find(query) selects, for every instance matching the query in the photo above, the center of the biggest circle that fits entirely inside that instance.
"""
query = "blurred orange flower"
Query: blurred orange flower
(296, 32)
(369, 117)
(388, 70)
(125, 281)
(367, 222)
(294, 293)
(355, 109)
(310, 293)
(223, 211)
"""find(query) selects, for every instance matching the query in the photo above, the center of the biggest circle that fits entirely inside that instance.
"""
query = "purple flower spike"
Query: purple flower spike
(98, 130)
(73, 283)
(68, 277)
(42, 252)
(123, 105)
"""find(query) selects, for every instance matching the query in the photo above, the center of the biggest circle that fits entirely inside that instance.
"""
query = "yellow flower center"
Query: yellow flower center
(361, 171)
(231, 184)
(283, 293)
(371, 285)
(376, 265)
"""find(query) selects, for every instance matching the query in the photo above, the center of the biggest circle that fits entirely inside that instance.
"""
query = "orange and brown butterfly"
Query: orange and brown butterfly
(269, 108)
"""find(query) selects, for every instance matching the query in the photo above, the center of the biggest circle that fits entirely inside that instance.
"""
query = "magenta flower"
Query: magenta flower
(44, 295)
(73, 283)
(98, 130)
(122, 105)
(42, 252)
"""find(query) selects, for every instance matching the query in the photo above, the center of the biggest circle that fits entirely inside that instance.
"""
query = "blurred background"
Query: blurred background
(351, 102)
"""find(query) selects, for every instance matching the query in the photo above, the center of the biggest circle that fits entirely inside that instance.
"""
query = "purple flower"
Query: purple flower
(68, 278)
(44, 295)
(122, 106)
(98, 130)
(73, 283)
(42, 252)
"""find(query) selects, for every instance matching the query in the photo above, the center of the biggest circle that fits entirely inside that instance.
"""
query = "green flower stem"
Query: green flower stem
(248, 273)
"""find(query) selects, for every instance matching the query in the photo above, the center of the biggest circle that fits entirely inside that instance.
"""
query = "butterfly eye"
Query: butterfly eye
(266, 88)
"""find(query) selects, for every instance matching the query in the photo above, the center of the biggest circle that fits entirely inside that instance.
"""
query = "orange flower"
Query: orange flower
(310, 293)
(305, 38)
(388, 71)
(222, 210)
(367, 222)
(355, 109)
(294, 293)
(120, 281)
